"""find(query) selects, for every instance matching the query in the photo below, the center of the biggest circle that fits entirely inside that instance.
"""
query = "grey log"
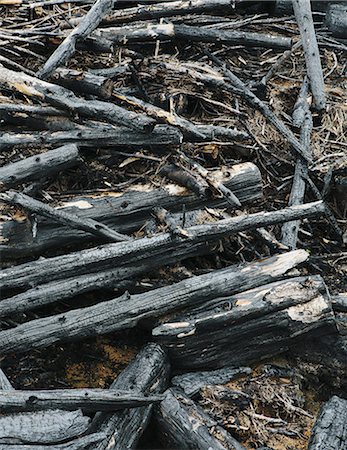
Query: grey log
(61, 97)
(340, 302)
(40, 166)
(95, 136)
(133, 252)
(192, 382)
(70, 399)
(330, 428)
(199, 34)
(126, 211)
(183, 424)
(250, 326)
(127, 311)
(62, 217)
(67, 48)
(147, 373)
(303, 15)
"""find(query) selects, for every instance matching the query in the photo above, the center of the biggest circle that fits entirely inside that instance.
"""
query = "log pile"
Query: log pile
(172, 187)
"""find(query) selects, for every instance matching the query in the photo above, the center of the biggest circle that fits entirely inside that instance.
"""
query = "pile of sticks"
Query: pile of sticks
(205, 329)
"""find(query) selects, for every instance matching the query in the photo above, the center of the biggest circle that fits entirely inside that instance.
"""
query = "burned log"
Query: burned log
(67, 48)
(75, 444)
(194, 34)
(126, 212)
(39, 427)
(330, 429)
(147, 373)
(301, 118)
(127, 311)
(339, 302)
(61, 97)
(89, 225)
(336, 19)
(84, 82)
(40, 166)
(96, 135)
(164, 9)
(303, 15)
(139, 250)
(183, 424)
(248, 327)
(191, 383)
(70, 399)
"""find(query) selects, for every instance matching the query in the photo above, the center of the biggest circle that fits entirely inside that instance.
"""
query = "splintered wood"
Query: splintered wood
(173, 180)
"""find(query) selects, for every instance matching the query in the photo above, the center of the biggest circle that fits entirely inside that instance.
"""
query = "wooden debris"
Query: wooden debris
(71, 399)
(66, 99)
(181, 422)
(40, 166)
(132, 252)
(336, 19)
(127, 311)
(89, 225)
(330, 429)
(147, 373)
(303, 15)
(250, 326)
(83, 30)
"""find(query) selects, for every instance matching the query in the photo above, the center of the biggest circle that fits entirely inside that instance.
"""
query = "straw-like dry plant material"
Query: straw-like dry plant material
(267, 408)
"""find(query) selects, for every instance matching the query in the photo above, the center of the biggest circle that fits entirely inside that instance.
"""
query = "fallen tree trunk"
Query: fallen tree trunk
(147, 373)
(71, 399)
(191, 383)
(95, 136)
(127, 311)
(303, 15)
(126, 212)
(127, 253)
(67, 48)
(40, 166)
(248, 327)
(64, 98)
(159, 10)
(194, 34)
(89, 225)
(330, 429)
(183, 424)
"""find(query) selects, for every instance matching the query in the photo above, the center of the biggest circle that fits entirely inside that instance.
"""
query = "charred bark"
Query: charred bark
(40, 166)
(127, 311)
(184, 424)
(248, 327)
(147, 373)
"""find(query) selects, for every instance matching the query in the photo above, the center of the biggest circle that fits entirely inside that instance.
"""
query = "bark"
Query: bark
(89, 225)
(70, 399)
(336, 19)
(126, 253)
(61, 97)
(195, 34)
(40, 166)
(192, 383)
(67, 48)
(147, 373)
(184, 424)
(340, 302)
(126, 212)
(127, 311)
(248, 327)
(303, 15)
(330, 429)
